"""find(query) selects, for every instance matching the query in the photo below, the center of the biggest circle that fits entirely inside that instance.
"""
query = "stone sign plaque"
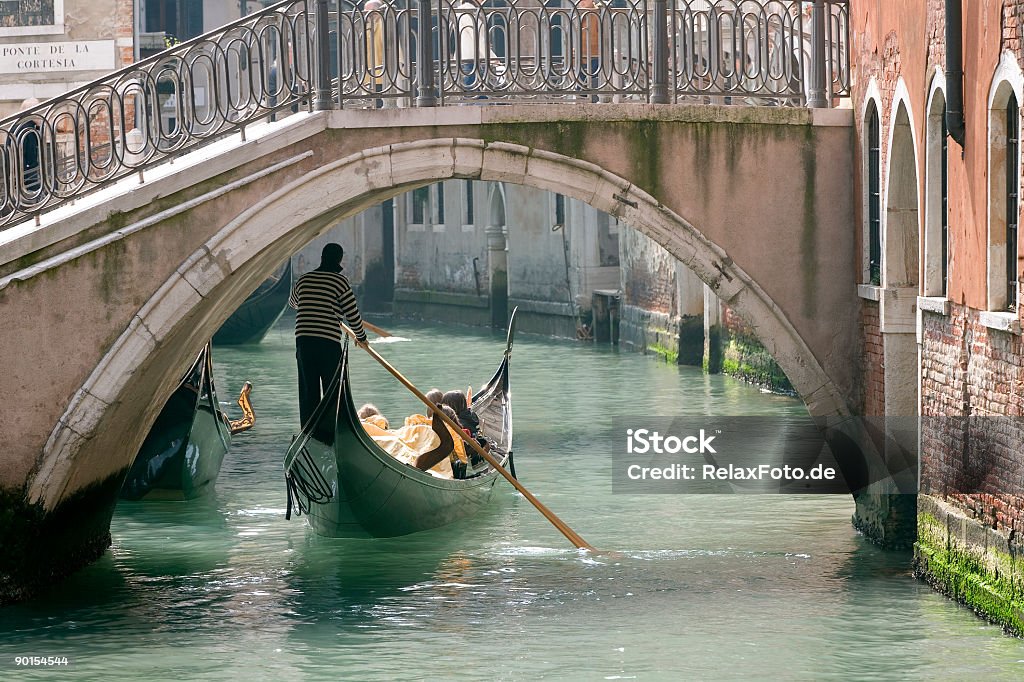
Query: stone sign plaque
(31, 17)
(77, 55)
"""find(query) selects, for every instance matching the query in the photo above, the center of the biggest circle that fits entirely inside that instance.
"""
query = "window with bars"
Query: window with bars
(467, 189)
(1012, 198)
(420, 205)
(560, 210)
(874, 198)
(440, 204)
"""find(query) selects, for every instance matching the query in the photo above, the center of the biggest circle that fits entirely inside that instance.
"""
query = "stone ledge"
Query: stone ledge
(1003, 322)
(968, 561)
(934, 304)
(898, 311)
(869, 292)
(541, 113)
(527, 305)
(442, 298)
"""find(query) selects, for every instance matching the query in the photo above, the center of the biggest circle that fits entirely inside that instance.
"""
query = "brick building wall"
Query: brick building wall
(873, 360)
(648, 271)
(84, 20)
(971, 436)
(884, 66)
(124, 32)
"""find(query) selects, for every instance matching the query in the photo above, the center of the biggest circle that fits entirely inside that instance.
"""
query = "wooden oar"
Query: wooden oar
(376, 330)
(565, 530)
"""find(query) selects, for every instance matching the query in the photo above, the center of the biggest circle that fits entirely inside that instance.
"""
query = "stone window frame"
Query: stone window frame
(872, 98)
(935, 130)
(433, 221)
(470, 206)
(410, 200)
(57, 27)
(895, 273)
(559, 212)
(438, 209)
(1008, 79)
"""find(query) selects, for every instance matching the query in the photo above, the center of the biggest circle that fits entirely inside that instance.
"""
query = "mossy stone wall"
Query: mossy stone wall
(978, 566)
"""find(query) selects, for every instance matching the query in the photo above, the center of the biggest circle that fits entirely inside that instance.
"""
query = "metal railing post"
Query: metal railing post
(425, 56)
(659, 71)
(816, 88)
(323, 99)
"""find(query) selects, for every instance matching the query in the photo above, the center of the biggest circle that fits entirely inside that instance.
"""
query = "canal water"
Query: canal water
(702, 586)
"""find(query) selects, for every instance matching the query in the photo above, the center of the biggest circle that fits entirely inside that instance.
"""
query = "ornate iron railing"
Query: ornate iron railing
(757, 52)
(766, 52)
(154, 109)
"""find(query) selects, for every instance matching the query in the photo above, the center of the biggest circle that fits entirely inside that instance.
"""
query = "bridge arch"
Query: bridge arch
(211, 283)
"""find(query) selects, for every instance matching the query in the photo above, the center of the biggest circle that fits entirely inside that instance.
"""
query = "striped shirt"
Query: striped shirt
(321, 300)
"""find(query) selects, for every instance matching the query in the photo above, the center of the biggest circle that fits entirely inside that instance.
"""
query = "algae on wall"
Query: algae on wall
(744, 357)
(973, 564)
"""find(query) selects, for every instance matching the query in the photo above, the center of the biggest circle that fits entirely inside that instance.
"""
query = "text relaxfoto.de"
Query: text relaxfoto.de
(644, 441)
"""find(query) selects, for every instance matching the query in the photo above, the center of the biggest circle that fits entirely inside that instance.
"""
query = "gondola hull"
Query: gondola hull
(372, 494)
(373, 497)
(183, 451)
(258, 313)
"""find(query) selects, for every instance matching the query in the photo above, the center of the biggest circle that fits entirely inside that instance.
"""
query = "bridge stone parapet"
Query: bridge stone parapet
(115, 293)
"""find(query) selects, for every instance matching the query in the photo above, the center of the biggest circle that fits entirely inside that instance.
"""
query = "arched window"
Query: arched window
(1004, 184)
(944, 206)
(936, 246)
(874, 196)
(1012, 198)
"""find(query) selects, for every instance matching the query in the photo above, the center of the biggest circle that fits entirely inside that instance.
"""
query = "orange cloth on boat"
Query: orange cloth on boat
(460, 445)
(406, 443)
(378, 420)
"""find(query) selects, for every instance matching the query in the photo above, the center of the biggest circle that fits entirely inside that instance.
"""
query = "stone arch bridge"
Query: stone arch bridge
(108, 298)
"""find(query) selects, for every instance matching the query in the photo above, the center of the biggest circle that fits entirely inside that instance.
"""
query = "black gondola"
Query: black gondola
(258, 313)
(353, 488)
(183, 451)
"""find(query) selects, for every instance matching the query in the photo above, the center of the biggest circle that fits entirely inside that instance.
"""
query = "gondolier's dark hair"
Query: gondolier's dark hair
(332, 254)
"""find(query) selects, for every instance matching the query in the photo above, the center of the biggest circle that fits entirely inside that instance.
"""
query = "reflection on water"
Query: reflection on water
(698, 586)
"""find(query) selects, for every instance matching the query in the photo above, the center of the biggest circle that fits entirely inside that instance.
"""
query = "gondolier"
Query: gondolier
(322, 299)
(352, 487)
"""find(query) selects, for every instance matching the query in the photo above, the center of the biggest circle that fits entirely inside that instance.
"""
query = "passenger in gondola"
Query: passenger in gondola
(460, 405)
(457, 458)
(468, 420)
(409, 443)
(434, 395)
(449, 454)
(370, 414)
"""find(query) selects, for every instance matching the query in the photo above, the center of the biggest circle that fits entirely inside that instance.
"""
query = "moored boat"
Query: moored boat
(183, 451)
(258, 313)
(352, 488)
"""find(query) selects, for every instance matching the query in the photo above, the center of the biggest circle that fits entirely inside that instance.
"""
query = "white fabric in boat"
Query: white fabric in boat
(406, 443)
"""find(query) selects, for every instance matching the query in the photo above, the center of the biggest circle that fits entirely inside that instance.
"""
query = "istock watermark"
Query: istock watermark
(759, 455)
(642, 441)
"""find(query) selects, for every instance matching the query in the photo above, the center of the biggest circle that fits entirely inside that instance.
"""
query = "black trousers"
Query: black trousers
(318, 360)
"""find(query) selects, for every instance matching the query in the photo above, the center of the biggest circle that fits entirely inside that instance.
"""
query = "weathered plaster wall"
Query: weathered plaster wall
(907, 39)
